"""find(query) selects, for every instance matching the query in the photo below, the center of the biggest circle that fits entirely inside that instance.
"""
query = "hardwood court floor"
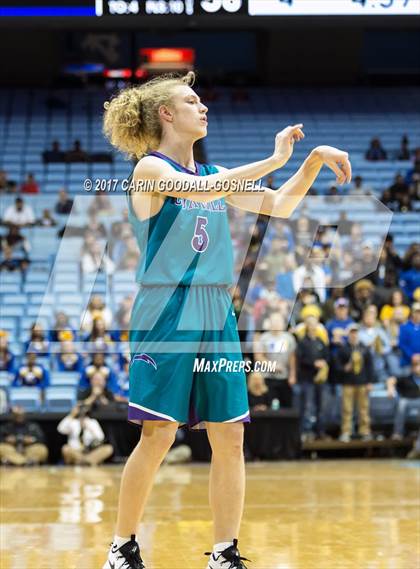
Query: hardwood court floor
(299, 515)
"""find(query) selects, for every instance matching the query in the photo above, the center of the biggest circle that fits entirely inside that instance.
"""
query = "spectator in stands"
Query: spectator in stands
(363, 296)
(410, 277)
(404, 151)
(122, 319)
(94, 259)
(61, 330)
(374, 336)
(31, 374)
(358, 188)
(96, 309)
(375, 151)
(68, 359)
(22, 442)
(333, 195)
(10, 263)
(409, 340)
(259, 397)
(303, 232)
(53, 155)
(405, 204)
(99, 338)
(346, 267)
(94, 228)
(328, 309)
(101, 205)
(337, 327)
(344, 224)
(413, 175)
(85, 444)
(77, 154)
(30, 185)
(387, 200)
(269, 302)
(311, 311)
(276, 257)
(7, 358)
(130, 258)
(99, 365)
(279, 346)
(19, 244)
(64, 204)
(97, 395)
(19, 214)
(312, 359)
(399, 188)
(398, 319)
(389, 265)
(38, 341)
(123, 377)
(310, 271)
(6, 186)
(46, 220)
(396, 303)
(407, 389)
(354, 366)
(369, 262)
(353, 244)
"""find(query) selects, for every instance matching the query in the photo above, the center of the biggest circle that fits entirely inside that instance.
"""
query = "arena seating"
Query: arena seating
(239, 132)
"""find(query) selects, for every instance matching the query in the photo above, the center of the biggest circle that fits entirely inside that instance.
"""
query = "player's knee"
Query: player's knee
(228, 440)
(159, 435)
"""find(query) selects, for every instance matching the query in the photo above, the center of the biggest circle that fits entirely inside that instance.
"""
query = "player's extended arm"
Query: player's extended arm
(209, 188)
(282, 202)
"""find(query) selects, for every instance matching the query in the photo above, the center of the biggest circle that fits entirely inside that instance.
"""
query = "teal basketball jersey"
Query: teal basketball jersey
(186, 242)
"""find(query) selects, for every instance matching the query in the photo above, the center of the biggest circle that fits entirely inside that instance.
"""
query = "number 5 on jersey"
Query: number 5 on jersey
(201, 239)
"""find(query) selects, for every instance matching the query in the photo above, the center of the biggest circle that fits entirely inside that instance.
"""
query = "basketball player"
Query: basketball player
(185, 271)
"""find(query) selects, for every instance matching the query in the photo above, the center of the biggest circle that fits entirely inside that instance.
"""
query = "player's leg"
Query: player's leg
(221, 400)
(136, 483)
(227, 492)
(139, 473)
(227, 478)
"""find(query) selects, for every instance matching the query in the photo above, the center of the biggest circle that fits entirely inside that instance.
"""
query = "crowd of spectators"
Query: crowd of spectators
(324, 339)
(75, 154)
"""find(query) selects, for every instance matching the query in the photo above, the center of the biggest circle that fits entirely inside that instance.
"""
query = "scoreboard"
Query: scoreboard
(261, 7)
(254, 8)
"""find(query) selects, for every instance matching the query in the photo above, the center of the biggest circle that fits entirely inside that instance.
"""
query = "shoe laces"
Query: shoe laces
(130, 552)
(231, 556)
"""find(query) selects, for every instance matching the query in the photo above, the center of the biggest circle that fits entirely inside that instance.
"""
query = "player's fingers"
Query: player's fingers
(346, 166)
(337, 171)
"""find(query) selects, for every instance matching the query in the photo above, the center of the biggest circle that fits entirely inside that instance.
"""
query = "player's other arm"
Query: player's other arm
(209, 188)
(283, 201)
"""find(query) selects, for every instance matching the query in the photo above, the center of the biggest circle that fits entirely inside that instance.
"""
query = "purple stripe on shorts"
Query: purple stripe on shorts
(135, 414)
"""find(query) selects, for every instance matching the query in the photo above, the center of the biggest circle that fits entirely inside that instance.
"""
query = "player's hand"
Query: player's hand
(338, 161)
(285, 139)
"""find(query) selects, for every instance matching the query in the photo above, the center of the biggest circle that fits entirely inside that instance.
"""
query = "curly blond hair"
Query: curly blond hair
(131, 119)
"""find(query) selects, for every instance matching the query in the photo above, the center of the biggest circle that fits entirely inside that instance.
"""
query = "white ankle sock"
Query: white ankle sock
(219, 547)
(119, 541)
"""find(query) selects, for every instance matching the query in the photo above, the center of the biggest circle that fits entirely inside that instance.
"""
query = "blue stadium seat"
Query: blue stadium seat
(59, 399)
(64, 379)
(27, 397)
(6, 379)
(382, 407)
